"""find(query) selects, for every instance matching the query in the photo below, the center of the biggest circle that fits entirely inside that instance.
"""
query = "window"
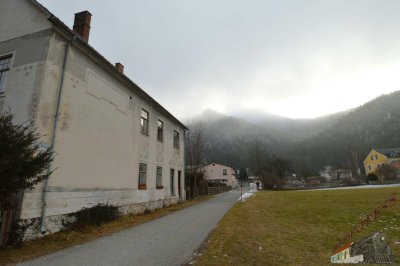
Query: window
(372, 158)
(159, 178)
(369, 167)
(179, 184)
(176, 140)
(223, 171)
(172, 177)
(5, 63)
(142, 175)
(160, 130)
(376, 157)
(144, 122)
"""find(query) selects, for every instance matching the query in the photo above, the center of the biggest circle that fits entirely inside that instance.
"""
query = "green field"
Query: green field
(297, 227)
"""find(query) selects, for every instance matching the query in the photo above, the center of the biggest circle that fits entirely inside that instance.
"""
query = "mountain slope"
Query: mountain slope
(228, 138)
(374, 124)
(341, 139)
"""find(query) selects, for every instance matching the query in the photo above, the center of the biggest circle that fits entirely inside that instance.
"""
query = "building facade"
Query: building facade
(214, 172)
(113, 142)
(378, 157)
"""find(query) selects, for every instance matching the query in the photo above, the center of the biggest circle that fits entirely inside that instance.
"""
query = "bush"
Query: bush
(23, 163)
(147, 211)
(96, 215)
(371, 177)
(17, 232)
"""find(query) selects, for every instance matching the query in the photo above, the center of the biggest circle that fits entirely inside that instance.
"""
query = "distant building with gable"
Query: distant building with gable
(215, 172)
(378, 157)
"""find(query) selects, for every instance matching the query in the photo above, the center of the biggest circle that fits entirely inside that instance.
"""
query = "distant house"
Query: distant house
(220, 173)
(378, 157)
(336, 175)
(342, 254)
(327, 173)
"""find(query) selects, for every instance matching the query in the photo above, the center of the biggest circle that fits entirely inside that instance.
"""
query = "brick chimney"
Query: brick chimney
(82, 24)
(119, 67)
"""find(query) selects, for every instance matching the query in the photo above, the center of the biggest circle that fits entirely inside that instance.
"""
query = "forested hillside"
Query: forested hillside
(348, 141)
(341, 140)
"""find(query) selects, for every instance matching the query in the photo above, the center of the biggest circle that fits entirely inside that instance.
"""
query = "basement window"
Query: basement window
(5, 63)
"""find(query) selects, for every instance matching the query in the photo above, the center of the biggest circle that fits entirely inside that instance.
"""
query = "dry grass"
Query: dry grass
(65, 239)
(297, 228)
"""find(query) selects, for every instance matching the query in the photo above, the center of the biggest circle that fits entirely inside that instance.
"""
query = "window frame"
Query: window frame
(142, 171)
(144, 122)
(5, 70)
(159, 184)
(176, 140)
(224, 171)
(160, 136)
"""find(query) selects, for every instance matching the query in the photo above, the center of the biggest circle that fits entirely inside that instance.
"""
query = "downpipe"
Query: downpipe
(53, 138)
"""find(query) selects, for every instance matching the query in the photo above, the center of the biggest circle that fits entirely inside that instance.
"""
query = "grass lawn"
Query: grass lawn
(297, 227)
(51, 243)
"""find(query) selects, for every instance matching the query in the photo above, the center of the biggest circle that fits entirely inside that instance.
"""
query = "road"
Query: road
(169, 240)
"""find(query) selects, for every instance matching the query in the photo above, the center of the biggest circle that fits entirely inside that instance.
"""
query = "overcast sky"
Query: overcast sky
(291, 58)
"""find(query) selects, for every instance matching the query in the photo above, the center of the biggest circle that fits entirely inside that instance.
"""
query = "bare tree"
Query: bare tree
(258, 157)
(386, 172)
(356, 161)
(195, 156)
(271, 170)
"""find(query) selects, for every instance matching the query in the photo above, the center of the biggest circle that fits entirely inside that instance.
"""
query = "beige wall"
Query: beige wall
(19, 18)
(24, 34)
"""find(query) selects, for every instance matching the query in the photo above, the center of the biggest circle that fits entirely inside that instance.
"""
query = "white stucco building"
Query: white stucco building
(215, 172)
(113, 142)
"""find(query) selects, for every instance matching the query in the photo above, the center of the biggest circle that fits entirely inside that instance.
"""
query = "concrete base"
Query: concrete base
(56, 223)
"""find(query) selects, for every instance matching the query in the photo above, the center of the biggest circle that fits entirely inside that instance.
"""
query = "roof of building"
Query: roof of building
(56, 21)
(213, 164)
(342, 248)
(390, 152)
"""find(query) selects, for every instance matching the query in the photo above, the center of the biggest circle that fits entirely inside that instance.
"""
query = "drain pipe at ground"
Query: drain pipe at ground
(53, 138)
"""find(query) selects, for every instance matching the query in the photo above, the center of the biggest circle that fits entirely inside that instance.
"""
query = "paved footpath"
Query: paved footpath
(169, 240)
